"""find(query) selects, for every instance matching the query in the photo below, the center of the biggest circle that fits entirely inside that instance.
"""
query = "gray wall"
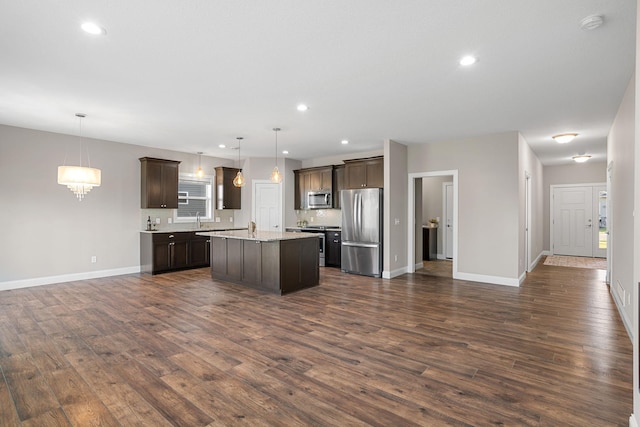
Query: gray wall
(530, 164)
(620, 154)
(488, 199)
(576, 173)
(395, 209)
(48, 234)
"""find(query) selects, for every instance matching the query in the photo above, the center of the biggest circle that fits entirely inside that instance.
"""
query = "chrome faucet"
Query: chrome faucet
(198, 224)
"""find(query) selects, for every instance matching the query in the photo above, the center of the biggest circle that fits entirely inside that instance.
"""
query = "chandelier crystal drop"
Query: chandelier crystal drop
(79, 179)
(276, 176)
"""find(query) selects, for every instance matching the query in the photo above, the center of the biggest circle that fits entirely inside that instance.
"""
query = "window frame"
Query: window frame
(205, 216)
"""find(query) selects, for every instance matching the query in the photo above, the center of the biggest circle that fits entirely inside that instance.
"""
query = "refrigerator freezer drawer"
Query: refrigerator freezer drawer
(361, 259)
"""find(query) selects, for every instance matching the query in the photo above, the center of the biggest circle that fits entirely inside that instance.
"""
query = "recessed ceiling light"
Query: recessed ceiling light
(285, 152)
(222, 146)
(93, 28)
(302, 107)
(468, 60)
(344, 141)
(581, 158)
(563, 138)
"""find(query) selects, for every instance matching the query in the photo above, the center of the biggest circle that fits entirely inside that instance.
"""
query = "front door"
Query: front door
(573, 227)
(267, 209)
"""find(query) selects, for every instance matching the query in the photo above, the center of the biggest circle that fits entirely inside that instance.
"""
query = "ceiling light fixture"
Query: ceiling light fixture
(239, 181)
(591, 22)
(564, 138)
(276, 176)
(285, 151)
(344, 141)
(222, 146)
(79, 179)
(302, 107)
(93, 28)
(468, 60)
(581, 158)
(199, 171)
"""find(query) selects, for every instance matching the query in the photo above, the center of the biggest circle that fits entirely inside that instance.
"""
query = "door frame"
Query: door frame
(445, 233)
(551, 206)
(411, 217)
(254, 182)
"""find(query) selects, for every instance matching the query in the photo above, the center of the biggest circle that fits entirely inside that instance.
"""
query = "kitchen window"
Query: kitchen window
(194, 198)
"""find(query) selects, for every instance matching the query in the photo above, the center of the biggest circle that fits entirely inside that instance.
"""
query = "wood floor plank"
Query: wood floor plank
(182, 349)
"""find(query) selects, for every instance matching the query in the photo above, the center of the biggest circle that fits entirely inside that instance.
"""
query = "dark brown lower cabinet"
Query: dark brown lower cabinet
(277, 266)
(163, 252)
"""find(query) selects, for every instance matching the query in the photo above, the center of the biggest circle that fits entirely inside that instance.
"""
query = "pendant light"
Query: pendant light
(276, 176)
(238, 181)
(79, 179)
(200, 172)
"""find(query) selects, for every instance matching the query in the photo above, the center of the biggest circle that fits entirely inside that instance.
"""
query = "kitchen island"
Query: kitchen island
(275, 262)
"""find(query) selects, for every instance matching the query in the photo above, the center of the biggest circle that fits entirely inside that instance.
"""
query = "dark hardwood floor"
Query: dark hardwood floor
(180, 349)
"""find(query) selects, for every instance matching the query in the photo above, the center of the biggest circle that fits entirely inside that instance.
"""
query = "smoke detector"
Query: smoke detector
(591, 22)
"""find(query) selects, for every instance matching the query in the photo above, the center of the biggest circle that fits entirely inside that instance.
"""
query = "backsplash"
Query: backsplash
(226, 220)
(331, 217)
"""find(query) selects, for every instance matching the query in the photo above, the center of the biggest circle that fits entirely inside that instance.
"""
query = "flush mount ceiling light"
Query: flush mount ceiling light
(302, 107)
(199, 172)
(344, 141)
(468, 60)
(79, 179)
(581, 158)
(564, 138)
(591, 22)
(276, 176)
(285, 152)
(239, 181)
(222, 146)
(93, 28)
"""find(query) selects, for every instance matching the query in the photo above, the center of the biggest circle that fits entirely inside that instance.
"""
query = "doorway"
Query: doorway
(267, 211)
(417, 218)
(579, 220)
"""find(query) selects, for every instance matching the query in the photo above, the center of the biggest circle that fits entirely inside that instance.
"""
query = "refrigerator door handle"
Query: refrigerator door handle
(361, 245)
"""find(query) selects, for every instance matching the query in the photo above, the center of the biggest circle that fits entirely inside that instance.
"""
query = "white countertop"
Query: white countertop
(186, 230)
(262, 236)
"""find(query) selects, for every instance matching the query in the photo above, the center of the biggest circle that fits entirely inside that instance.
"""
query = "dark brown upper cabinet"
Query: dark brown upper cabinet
(159, 183)
(228, 196)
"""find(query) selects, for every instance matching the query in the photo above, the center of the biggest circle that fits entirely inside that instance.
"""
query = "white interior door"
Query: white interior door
(573, 226)
(267, 206)
(448, 219)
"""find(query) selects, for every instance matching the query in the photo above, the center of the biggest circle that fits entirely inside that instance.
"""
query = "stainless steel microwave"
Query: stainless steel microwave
(320, 199)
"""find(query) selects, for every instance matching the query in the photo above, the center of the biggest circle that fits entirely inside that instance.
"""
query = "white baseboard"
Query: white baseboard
(394, 273)
(545, 253)
(49, 280)
(623, 314)
(418, 266)
(495, 280)
(536, 261)
(632, 421)
(440, 256)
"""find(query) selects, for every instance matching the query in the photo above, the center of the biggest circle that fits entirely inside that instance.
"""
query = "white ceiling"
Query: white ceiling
(188, 75)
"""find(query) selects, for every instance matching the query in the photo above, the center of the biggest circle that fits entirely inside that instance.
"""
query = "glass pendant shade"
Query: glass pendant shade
(276, 176)
(239, 181)
(200, 171)
(79, 179)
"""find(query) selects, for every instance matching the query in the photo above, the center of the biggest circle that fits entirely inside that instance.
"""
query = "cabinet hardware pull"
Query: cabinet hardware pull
(171, 236)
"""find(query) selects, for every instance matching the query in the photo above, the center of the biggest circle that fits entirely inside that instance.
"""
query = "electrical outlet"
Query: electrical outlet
(217, 219)
(157, 220)
(169, 220)
(94, 259)
(397, 221)
(230, 219)
(395, 258)
(311, 219)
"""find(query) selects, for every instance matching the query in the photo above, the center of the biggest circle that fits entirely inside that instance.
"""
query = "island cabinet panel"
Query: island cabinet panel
(199, 252)
(278, 266)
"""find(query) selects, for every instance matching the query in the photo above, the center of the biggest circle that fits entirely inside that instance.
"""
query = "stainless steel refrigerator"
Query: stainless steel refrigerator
(362, 231)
